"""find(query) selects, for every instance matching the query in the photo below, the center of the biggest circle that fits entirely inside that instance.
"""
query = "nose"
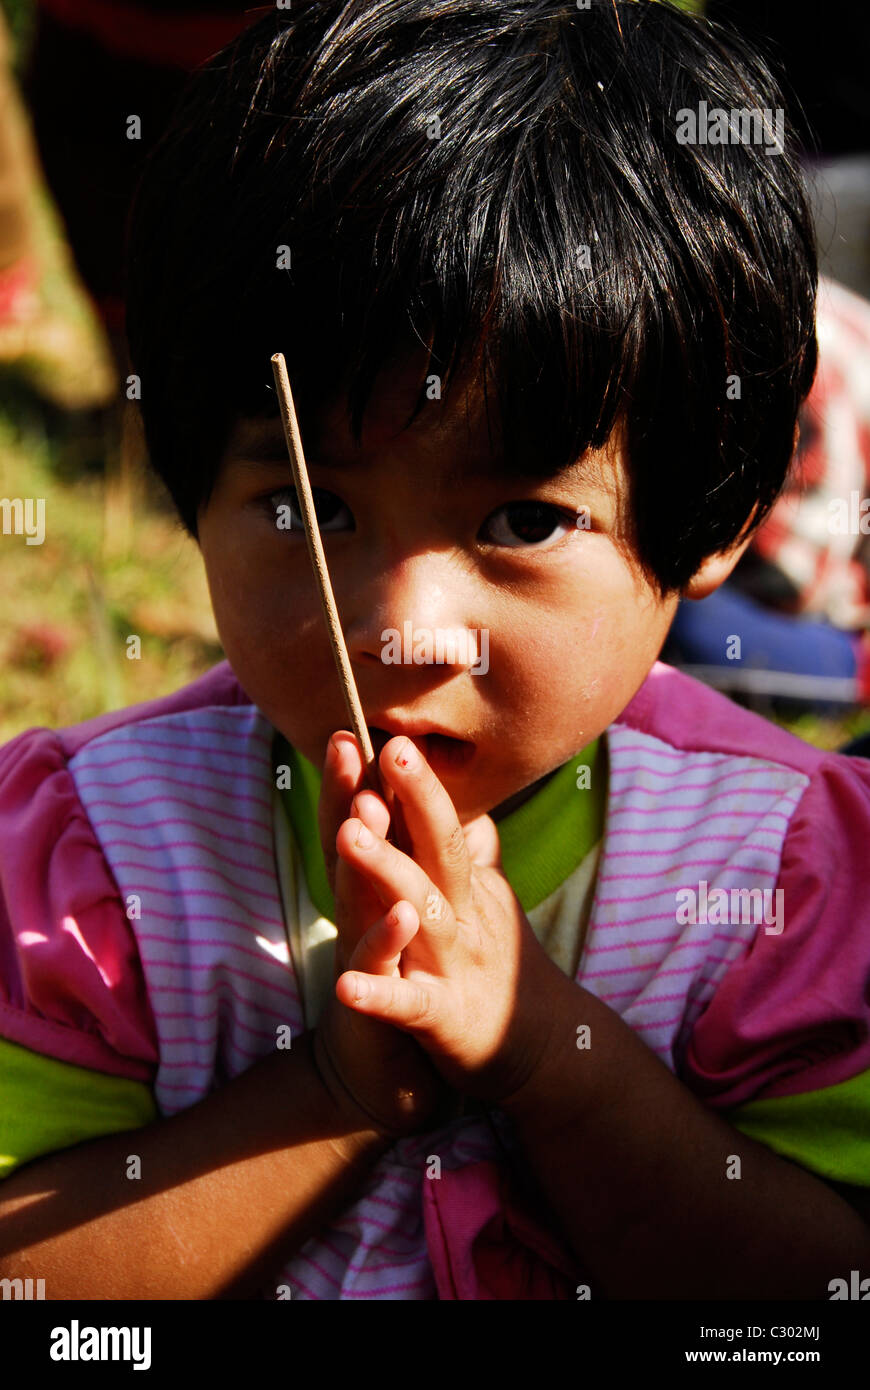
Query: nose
(416, 611)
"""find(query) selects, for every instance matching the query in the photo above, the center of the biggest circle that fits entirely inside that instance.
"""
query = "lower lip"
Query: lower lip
(441, 753)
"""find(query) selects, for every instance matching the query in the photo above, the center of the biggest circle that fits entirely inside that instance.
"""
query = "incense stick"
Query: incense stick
(324, 586)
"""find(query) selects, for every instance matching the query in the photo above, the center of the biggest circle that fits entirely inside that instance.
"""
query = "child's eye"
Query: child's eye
(326, 506)
(528, 523)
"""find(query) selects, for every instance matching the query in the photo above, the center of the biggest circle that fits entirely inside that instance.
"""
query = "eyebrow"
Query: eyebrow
(270, 452)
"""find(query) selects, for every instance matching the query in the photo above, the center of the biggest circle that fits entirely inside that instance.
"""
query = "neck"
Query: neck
(520, 797)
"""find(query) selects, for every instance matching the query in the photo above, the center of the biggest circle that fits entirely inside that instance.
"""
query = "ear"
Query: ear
(714, 571)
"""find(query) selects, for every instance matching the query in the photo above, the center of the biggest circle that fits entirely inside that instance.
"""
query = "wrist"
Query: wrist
(351, 1133)
(368, 1129)
(549, 1094)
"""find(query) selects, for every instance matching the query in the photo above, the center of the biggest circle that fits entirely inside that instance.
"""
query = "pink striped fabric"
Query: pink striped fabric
(182, 805)
(377, 1248)
(656, 974)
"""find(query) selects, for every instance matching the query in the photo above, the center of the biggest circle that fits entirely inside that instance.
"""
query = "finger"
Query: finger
(380, 950)
(371, 809)
(397, 833)
(482, 842)
(437, 838)
(407, 1004)
(357, 907)
(343, 778)
(393, 876)
(336, 792)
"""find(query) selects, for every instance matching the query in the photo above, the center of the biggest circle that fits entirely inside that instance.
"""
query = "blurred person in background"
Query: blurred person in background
(49, 333)
(95, 64)
(799, 601)
(794, 619)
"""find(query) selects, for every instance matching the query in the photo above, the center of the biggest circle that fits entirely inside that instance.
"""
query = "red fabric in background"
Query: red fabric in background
(167, 39)
(17, 285)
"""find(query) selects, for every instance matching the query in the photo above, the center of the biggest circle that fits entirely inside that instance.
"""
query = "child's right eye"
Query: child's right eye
(326, 505)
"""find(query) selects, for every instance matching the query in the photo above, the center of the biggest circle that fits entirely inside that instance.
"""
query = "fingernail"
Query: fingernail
(364, 837)
(407, 755)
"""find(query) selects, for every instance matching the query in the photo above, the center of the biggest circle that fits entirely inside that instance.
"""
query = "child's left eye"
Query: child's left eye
(530, 523)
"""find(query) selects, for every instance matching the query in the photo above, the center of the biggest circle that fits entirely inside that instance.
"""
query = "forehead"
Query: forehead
(457, 431)
(454, 439)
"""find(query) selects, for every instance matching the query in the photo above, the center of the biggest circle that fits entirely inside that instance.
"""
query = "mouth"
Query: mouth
(441, 751)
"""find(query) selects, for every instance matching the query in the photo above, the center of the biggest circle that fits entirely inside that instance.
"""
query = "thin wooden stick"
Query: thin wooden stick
(324, 585)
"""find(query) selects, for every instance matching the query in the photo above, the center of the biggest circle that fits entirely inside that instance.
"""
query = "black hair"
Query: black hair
(436, 168)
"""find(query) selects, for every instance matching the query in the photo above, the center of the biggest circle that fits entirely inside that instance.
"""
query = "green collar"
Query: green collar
(542, 841)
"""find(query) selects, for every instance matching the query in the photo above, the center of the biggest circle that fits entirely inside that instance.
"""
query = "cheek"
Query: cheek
(628, 645)
(268, 622)
(285, 668)
(586, 648)
(250, 588)
(550, 665)
(572, 621)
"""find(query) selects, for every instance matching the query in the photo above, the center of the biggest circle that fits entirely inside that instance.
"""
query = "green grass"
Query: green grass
(20, 16)
(114, 564)
(821, 731)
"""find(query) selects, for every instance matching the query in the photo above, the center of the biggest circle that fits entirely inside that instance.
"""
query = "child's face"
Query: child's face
(563, 630)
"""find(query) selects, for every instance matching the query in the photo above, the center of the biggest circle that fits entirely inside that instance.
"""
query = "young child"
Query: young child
(596, 1022)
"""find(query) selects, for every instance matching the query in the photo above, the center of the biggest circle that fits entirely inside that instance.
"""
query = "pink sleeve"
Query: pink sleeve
(793, 1014)
(71, 983)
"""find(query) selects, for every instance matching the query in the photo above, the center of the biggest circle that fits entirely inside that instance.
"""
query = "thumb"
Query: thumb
(482, 842)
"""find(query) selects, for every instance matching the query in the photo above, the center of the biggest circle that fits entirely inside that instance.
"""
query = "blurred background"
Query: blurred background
(115, 562)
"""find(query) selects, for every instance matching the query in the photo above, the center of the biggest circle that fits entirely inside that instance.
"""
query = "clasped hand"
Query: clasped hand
(433, 942)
